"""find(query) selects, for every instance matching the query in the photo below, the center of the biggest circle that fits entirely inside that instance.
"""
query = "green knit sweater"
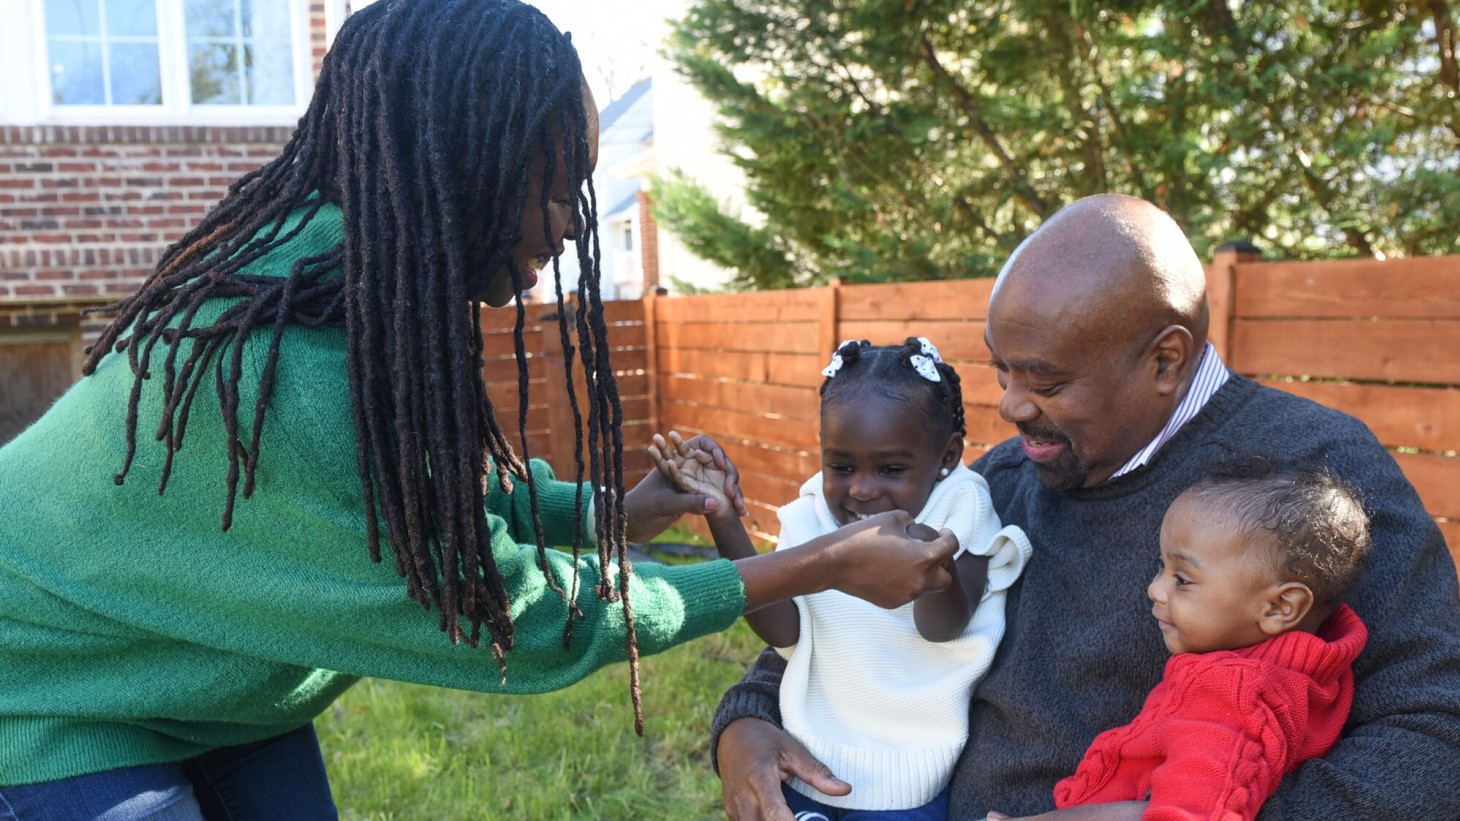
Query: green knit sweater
(134, 630)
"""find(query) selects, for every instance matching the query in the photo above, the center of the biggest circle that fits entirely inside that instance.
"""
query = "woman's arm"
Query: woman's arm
(874, 559)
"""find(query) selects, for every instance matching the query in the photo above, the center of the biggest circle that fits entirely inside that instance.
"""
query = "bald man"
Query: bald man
(1097, 331)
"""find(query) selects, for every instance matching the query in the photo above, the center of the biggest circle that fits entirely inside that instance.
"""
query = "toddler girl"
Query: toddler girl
(881, 696)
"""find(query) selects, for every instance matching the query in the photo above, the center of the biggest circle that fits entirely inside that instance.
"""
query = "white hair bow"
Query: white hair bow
(927, 362)
(836, 360)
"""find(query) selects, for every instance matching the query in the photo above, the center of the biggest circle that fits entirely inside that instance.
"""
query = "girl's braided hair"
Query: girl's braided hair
(888, 370)
(428, 120)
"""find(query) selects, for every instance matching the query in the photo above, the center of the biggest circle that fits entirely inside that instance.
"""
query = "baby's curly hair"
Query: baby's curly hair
(1318, 528)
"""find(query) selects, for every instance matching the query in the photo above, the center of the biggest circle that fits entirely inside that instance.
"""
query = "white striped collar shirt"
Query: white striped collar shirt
(1211, 375)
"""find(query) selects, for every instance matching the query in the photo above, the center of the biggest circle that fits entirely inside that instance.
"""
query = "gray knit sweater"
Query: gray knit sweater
(1081, 650)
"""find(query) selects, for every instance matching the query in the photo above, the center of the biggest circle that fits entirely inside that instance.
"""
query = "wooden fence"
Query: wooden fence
(1377, 339)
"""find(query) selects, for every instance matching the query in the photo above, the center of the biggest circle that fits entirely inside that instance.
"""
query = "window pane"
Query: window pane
(266, 20)
(76, 74)
(213, 69)
(71, 17)
(136, 74)
(209, 18)
(131, 18)
(270, 75)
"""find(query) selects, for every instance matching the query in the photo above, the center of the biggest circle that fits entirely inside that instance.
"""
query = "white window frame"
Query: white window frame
(37, 107)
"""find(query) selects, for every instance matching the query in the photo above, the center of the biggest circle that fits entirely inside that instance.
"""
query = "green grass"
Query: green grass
(406, 751)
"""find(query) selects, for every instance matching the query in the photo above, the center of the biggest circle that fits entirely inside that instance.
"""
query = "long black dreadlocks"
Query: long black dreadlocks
(428, 120)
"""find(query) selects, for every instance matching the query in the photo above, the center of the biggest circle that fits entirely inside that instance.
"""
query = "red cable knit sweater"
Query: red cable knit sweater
(1221, 729)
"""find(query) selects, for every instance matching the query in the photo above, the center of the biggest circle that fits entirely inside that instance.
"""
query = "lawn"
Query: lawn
(405, 751)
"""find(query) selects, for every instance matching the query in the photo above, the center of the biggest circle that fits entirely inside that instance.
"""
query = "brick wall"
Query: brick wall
(85, 211)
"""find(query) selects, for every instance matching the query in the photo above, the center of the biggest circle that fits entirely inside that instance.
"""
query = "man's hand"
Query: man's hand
(755, 757)
(1115, 811)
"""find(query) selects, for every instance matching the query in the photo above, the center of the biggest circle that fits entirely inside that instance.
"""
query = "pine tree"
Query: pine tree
(924, 139)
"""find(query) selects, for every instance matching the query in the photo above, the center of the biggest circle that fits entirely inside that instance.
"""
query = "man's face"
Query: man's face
(1084, 401)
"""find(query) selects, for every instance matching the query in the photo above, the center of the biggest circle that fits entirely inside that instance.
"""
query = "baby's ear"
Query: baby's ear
(1287, 605)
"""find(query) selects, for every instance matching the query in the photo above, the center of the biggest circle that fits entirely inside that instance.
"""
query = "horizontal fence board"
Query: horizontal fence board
(1437, 478)
(770, 368)
(775, 337)
(801, 404)
(985, 426)
(624, 339)
(1403, 350)
(916, 301)
(957, 341)
(769, 490)
(623, 310)
(1424, 418)
(762, 523)
(505, 370)
(793, 305)
(539, 444)
(1415, 288)
(1451, 532)
(790, 465)
(751, 427)
(980, 384)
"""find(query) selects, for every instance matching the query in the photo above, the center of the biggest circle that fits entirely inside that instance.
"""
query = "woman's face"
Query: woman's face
(540, 242)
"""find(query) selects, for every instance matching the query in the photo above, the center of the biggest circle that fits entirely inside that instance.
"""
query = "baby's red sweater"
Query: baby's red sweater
(1221, 729)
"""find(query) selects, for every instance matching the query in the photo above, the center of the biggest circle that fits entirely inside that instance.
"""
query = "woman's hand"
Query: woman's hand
(755, 757)
(875, 559)
(655, 502)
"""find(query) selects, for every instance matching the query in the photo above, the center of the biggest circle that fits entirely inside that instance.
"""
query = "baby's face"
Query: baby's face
(876, 457)
(1211, 590)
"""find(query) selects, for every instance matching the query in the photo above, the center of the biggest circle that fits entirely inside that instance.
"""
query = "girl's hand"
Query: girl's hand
(660, 498)
(691, 469)
(699, 466)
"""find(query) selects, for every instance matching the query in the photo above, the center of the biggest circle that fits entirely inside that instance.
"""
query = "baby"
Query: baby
(1254, 562)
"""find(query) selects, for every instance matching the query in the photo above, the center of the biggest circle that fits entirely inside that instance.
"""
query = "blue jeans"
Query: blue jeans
(277, 778)
(809, 809)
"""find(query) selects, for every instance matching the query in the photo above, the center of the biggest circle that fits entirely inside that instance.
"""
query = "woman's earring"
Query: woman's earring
(943, 473)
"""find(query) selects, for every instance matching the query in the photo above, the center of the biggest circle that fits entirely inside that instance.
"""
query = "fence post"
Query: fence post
(1221, 294)
(829, 324)
(651, 353)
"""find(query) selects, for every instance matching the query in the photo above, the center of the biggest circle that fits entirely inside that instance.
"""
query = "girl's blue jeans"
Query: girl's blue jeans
(278, 778)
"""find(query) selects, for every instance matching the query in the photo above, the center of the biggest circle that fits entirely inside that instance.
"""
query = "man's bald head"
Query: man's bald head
(1115, 260)
(1095, 326)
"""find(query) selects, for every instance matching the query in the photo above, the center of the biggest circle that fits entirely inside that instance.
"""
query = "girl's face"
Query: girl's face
(876, 456)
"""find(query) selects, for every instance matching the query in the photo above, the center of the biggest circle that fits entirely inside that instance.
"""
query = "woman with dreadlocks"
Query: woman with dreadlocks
(175, 617)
